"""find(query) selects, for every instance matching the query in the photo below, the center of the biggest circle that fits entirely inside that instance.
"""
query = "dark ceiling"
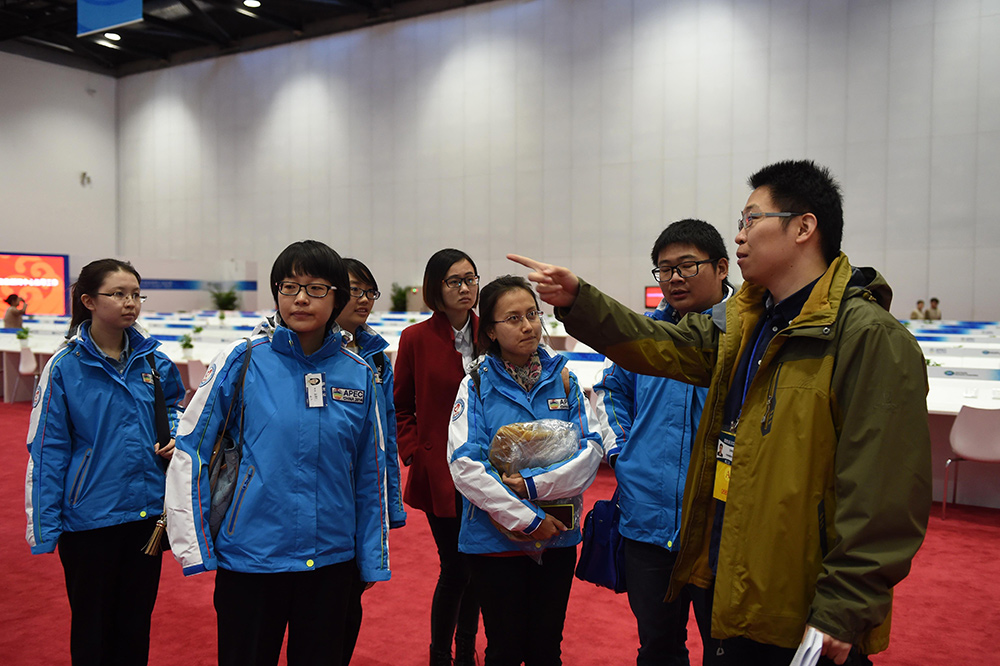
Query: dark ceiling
(174, 32)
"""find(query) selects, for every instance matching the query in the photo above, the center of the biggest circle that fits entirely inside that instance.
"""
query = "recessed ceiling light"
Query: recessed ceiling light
(113, 36)
(253, 4)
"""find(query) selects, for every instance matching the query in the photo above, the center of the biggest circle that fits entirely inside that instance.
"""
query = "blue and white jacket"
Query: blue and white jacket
(369, 344)
(91, 439)
(311, 483)
(475, 420)
(649, 423)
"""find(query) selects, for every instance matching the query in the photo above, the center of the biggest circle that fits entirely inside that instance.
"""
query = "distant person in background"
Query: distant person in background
(933, 313)
(432, 360)
(370, 346)
(648, 425)
(95, 477)
(918, 312)
(14, 316)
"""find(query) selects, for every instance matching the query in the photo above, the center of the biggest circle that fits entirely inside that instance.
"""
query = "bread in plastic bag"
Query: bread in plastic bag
(541, 443)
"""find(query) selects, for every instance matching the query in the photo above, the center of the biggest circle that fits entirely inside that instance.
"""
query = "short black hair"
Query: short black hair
(437, 270)
(489, 295)
(91, 278)
(802, 186)
(10, 300)
(699, 233)
(356, 268)
(310, 257)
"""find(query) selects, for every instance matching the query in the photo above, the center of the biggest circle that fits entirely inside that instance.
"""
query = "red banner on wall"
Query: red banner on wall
(40, 279)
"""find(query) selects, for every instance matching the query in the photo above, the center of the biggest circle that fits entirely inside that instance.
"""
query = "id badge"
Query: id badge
(315, 389)
(723, 465)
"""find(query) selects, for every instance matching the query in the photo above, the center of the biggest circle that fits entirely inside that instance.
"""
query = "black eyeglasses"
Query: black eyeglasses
(358, 292)
(121, 296)
(314, 290)
(457, 282)
(746, 220)
(515, 320)
(686, 269)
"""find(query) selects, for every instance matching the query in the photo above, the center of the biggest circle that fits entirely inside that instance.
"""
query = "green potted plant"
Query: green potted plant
(187, 344)
(397, 297)
(226, 299)
(22, 336)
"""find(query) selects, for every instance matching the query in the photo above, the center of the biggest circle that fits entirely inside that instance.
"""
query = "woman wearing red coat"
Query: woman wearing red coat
(431, 362)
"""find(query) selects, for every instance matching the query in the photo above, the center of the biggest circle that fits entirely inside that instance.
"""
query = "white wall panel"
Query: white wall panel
(575, 130)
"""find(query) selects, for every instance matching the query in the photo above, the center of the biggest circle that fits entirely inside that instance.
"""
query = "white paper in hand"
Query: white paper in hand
(810, 649)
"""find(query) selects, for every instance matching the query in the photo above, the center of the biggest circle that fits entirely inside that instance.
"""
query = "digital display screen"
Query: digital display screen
(653, 297)
(40, 279)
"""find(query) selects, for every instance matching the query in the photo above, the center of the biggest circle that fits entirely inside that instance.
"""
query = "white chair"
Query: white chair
(26, 368)
(195, 373)
(975, 436)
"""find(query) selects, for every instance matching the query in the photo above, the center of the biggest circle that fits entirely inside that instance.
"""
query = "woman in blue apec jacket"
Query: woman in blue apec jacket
(371, 346)
(523, 603)
(95, 477)
(309, 507)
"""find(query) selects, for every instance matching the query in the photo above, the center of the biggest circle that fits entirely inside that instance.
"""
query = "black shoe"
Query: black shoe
(440, 657)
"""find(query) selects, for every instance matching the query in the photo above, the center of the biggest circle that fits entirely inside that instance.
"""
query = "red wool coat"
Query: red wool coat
(428, 371)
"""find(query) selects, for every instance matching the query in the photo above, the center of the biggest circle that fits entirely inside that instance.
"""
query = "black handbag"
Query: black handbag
(602, 555)
(224, 465)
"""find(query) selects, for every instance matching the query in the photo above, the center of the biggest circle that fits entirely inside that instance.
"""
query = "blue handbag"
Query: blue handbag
(602, 556)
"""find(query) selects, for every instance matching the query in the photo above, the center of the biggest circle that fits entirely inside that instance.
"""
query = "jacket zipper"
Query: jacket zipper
(234, 512)
(81, 475)
(768, 418)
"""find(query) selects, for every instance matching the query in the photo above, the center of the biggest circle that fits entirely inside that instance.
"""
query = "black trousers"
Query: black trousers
(455, 605)
(354, 615)
(524, 606)
(112, 588)
(254, 609)
(662, 626)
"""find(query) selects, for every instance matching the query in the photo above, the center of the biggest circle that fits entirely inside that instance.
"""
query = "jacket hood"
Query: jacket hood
(139, 340)
(278, 333)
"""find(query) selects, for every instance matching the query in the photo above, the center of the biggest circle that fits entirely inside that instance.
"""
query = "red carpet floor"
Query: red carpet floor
(946, 612)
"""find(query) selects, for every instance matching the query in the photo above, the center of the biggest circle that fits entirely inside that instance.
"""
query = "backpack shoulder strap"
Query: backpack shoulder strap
(565, 378)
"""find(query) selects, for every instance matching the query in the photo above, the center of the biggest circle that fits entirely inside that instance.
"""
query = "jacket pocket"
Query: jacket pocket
(234, 511)
(80, 478)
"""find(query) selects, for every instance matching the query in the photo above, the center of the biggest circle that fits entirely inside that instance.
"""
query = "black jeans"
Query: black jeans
(455, 605)
(253, 610)
(662, 625)
(524, 605)
(112, 588)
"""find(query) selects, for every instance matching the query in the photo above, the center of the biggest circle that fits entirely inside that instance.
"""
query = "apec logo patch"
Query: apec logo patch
(37, 397)
(356, 396)
(208, 375)
(558, 403)
(148, 378)
(458, 410)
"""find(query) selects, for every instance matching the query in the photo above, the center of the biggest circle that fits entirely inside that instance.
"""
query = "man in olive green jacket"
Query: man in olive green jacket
(809, 488)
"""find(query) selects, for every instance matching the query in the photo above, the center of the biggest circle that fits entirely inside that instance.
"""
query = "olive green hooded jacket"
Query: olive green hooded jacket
(830, 485)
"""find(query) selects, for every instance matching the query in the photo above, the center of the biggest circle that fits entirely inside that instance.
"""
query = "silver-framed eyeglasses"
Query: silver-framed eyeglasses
(685, 269)
(121, 296)
(457, 282)
(515, 320)
(358, 292)
(747, 219)
(314, 290)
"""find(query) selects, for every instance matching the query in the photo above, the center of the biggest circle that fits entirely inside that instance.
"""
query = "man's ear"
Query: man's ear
(806, 228)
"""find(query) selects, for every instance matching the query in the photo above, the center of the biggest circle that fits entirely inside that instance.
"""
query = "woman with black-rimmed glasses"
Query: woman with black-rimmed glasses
(307, 516)
(95, 476)
(432, 360)
(371, 346)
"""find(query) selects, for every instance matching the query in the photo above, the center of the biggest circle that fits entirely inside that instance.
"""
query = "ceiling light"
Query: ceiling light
(113, 36)
(253, 4)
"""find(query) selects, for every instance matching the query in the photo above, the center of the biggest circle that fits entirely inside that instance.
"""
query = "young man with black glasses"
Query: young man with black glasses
(809, 485)
(648, 425)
